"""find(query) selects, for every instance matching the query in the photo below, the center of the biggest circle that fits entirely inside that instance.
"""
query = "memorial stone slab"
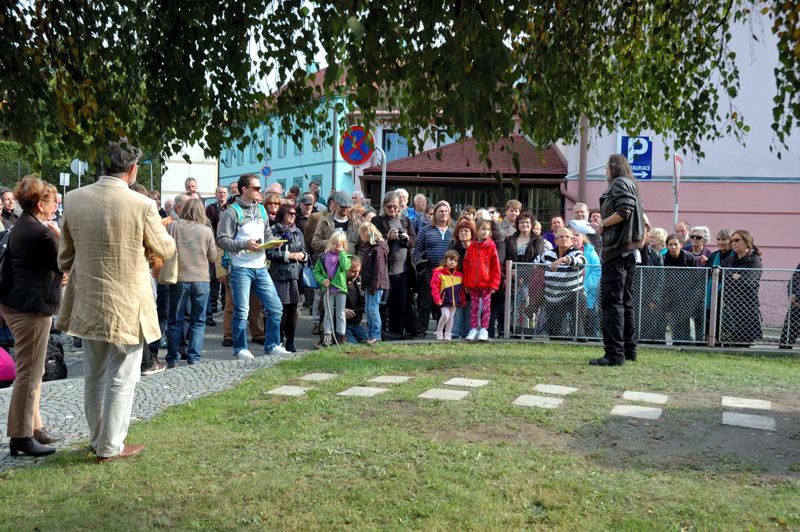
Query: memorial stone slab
(748, 421)
(554, 389)
(362, 391)
(640, 412)
(292, 391)
(644, 397)
(444, 395)
(741, 402)
(468, 383)
(538, 401)
(391, 379)
(318, 377)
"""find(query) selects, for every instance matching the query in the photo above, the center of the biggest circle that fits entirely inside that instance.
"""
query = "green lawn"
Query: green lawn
(247, 459)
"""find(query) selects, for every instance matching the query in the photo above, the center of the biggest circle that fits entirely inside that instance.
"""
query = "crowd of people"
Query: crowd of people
(139, 277)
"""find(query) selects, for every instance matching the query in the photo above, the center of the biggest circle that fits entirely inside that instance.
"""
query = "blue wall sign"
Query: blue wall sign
(639, 151)
(266, 171)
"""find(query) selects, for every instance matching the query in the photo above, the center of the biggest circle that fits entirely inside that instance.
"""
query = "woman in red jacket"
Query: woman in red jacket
(481, 270)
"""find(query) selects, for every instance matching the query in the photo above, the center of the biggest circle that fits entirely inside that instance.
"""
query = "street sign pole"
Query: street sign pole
(151, 176)
(677, 170)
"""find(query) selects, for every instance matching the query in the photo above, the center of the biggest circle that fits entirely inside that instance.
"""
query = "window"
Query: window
(298, 182)
(316, 142)
(443, 139)
(298, 148)
(240, 157)
(318, 178)
(395, 146)
(282, 147)
(254, 151)
(227, 157)
(267, 138)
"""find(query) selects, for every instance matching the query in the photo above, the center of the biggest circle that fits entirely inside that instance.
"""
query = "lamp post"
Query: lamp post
(150, 164)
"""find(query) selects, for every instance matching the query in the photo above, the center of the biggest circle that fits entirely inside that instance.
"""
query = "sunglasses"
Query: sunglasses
(291, 213)
(696, 237)
(736, 239)
(273, 203)
(254, 188)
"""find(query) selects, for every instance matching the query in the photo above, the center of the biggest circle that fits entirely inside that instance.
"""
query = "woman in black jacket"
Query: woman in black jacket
(285, 267)
(30, 295)
(683, 296)
(741, 308)
(524, 246)
(401, 238)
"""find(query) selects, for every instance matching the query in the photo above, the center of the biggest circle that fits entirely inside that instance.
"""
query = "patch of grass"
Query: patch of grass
(244, 458)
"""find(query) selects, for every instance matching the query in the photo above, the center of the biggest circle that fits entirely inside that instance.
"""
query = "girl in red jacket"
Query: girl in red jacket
(446, 291)
(481, 270)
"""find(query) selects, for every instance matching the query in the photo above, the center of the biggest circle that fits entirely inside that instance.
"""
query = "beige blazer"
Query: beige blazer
(106, 232)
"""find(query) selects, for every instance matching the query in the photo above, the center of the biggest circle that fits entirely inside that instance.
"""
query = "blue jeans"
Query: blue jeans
(355, 333)
(461, 324)
(196, 296)
(242, 281)
(372, 308)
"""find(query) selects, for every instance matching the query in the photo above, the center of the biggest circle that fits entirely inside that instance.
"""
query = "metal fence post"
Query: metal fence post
(507, 311)
(641, 269)
(712, 315)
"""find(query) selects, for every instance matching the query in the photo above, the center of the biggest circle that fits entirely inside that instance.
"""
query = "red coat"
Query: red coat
(481, 267)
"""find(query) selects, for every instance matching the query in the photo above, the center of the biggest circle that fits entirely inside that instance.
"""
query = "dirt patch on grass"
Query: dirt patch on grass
(690, 435)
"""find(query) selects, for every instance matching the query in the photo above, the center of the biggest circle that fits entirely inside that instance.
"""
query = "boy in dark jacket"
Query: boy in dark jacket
(354, 307)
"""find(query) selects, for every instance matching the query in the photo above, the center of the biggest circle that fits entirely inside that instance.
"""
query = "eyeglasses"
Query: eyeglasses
(257, 188)
(291, 213)
(736, 239)
(696, 237)
(273, 203)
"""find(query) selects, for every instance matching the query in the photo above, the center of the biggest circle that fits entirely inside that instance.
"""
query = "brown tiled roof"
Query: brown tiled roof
(461, 159)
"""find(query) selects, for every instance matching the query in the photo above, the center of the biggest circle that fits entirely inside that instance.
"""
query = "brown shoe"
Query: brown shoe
(42, 435)
(127, 452)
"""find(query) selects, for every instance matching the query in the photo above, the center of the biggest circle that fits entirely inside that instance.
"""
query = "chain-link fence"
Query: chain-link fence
(755, 306)
(671, 305)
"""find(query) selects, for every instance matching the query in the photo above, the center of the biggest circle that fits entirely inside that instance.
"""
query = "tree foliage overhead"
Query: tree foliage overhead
(76, 74)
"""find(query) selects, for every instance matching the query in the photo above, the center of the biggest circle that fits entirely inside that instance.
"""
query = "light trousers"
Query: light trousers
(111, 374)
(445, 325)
(31, 331)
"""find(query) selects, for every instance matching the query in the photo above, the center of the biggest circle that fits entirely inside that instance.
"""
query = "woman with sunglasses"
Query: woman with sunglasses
(741, 310)
(698, 238)
(272, 201)
(285, 267)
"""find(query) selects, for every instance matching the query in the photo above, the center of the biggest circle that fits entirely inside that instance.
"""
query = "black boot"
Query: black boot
(28, 446)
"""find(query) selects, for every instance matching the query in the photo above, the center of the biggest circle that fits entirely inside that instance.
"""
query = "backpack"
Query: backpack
(54, 366)
(226, 257)
(4, 238)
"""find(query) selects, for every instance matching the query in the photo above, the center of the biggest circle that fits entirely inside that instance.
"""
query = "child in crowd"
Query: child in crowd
(330, 271)
(374, 277)
(446, 291)
(354, 309)
(481, 271)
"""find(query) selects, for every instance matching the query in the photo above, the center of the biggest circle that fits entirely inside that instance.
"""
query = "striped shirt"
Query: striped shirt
(567, 279)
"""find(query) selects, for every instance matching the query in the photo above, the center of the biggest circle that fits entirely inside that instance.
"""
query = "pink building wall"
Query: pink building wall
(770, 210)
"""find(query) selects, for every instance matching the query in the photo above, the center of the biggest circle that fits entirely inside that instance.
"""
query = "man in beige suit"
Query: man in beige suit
(108, 301)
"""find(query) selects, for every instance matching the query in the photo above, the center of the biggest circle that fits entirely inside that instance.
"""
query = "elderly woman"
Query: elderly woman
(657, 240)
(30, 296)
(682, 296)
(272, 201)
(698, 238)
(463, 235)
(741, 309)
(432, 242)
(564, 298)
(399, 233)
(285, 267)
(197, 249)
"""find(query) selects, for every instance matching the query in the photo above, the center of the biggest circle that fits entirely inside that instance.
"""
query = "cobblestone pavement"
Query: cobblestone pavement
(62, 401)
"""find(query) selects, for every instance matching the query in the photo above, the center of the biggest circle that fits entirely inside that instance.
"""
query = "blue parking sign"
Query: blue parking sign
(639, 151)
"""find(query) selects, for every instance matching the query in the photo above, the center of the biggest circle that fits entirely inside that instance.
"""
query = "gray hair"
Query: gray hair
(178, 202)
(724, 233)
(402, 191)
(121, 156)
(389, 197)
(702, 229)
(420, 195)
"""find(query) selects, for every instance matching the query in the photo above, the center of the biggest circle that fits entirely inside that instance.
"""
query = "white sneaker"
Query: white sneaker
(439, 335)
(244, 354)
(448, 336)
(472, 334)
(278, 350)
(483, 335)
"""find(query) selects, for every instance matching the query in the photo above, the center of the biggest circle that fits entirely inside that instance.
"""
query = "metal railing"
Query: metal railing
(671, 305)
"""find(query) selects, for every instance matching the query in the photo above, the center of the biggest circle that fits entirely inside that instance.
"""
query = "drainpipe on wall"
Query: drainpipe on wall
(584, 146)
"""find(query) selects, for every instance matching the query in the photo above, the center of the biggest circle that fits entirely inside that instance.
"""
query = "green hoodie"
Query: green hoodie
(340, 278)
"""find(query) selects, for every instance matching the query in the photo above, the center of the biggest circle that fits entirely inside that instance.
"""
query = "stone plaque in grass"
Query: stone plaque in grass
(362, 391)
(644, 397)
(742, 402)
(748, 421)
(391, 379)
(444, 395)
(640, 412)
(554, 389)
(538, 401)
(291, 391)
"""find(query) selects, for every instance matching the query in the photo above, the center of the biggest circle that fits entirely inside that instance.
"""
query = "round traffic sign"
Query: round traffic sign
(266, 171)
(356, 145)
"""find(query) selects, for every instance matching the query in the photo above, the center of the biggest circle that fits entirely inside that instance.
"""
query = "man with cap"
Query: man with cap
(306, 208)
(338, 219)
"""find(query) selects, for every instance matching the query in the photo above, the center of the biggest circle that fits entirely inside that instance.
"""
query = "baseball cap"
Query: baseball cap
(343, 199)
(308, 200)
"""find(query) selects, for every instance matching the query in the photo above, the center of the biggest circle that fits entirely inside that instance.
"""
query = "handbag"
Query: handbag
(308, 279)
(169, 271)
